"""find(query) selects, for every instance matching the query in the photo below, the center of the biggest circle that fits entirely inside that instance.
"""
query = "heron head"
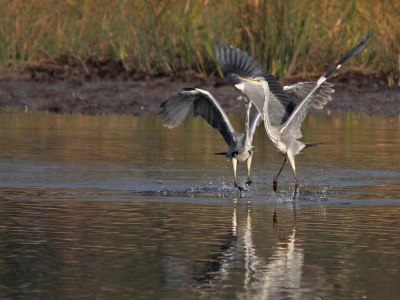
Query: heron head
(246, 82)
(255, 88)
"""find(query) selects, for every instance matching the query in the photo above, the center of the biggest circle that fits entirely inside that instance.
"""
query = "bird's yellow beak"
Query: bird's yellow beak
(249, 80)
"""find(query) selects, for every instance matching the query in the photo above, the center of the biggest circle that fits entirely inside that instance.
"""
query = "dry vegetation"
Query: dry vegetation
(287, 37)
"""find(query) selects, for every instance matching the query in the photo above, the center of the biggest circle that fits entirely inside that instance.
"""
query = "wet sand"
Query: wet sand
(106, 88)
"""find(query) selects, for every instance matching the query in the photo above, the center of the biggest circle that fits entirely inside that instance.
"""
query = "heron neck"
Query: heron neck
(247, 123)
(267, 122)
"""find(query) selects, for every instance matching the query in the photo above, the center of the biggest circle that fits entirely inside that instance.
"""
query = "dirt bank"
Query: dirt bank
(106, 88)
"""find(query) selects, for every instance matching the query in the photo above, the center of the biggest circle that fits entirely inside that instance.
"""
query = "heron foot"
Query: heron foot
(239, 187)
(248, 182)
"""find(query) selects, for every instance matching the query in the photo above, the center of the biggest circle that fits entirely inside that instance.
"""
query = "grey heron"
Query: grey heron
(282, 116)
(193, 102)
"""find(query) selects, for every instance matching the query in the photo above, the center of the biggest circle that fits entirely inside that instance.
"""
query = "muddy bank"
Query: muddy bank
(109, 89)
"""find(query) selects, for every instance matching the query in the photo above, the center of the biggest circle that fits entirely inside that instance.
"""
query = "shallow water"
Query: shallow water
(119, 207)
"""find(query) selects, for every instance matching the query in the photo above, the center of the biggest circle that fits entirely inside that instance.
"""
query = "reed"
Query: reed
(287, 37)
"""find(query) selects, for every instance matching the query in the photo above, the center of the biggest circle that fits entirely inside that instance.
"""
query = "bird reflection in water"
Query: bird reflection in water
(279, 277)
(239, 269)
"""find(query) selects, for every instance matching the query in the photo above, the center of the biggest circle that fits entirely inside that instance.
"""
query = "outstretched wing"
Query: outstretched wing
(254, 122)
(321, 97)
(298, 115)
(196, 102)
(236, 63)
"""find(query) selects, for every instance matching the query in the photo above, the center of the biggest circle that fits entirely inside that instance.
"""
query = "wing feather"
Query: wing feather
(196, 102)
(254, 122)
(297, 116)
(240, 64)
(297, 91)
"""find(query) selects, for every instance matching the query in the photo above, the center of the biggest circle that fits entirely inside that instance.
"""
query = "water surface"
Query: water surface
(119, 207)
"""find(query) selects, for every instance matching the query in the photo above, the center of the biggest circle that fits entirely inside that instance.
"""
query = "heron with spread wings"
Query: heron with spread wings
(282, 113)
(193, 102)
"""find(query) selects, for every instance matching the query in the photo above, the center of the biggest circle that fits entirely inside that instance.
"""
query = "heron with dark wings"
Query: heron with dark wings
(193, 102)
(282, 113)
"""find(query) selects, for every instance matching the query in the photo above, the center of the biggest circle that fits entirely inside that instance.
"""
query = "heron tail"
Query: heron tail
(221, 153)
(308, 145)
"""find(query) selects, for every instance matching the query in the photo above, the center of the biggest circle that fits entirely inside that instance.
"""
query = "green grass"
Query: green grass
(287, 37)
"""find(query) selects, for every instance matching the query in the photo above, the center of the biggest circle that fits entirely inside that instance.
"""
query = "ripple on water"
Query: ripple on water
(120, 207)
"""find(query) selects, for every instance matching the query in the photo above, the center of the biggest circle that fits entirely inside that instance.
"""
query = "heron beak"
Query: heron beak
(248, 80)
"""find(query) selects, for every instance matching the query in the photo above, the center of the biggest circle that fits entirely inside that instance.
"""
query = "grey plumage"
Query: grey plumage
(297, 91)
(193, 102)
(301, 110)
(236, 63)
(283, 109)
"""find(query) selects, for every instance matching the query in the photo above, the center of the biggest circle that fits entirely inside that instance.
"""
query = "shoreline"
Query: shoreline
(64, 90)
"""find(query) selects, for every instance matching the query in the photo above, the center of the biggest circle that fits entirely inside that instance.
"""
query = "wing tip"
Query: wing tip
(188, 89)
(308, 145)
(369, 35)
(221, 153)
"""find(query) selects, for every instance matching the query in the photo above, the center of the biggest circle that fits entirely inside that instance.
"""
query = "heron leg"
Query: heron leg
(248, 171)
(291, 160)
(234, 162)
(276, 178)
(296, 185)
